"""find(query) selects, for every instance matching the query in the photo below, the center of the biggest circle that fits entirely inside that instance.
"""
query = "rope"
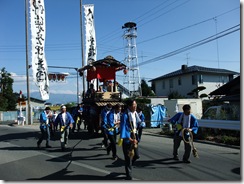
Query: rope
(194, 150)
(133, 146)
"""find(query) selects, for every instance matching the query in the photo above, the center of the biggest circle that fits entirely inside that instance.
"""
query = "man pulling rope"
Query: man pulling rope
(184, 121)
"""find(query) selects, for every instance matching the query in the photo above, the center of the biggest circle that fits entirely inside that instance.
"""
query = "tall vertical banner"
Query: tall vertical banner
(90, 37)
(90, 40)
(38, 34)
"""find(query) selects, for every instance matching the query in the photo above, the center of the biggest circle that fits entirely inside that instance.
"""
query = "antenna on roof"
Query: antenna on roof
(187, 58)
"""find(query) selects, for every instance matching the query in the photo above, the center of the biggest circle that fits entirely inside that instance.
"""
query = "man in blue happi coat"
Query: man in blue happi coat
(112, 129)
(104, 121)
(142, 123)
(187, 121)
(128, 132)
(44, 127)
(65, 121)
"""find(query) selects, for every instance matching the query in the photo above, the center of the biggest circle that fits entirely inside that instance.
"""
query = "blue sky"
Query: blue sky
(163, 26)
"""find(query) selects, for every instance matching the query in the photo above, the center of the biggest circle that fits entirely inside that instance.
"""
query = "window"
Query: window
(179, 81)
(171, 83)
(200, 79)
(193, 79)
(223, 79)
(163, 84)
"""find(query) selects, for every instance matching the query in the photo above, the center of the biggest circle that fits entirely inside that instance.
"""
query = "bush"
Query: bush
(230, 140)
(230, 137)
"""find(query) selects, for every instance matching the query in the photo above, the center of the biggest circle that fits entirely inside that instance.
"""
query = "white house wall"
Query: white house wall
(210, 81)
(175, 105)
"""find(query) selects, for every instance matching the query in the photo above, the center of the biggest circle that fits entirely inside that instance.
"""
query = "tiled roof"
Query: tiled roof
(230, 88)
(108, 61)
(193, 69)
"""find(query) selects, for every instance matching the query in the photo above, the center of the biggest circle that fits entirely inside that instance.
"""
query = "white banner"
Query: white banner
(38, 34)
(90, 43)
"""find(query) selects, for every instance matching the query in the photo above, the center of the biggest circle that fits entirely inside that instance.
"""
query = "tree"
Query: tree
(146, 90)
(195, 92)
(7, 97)
(175, 95)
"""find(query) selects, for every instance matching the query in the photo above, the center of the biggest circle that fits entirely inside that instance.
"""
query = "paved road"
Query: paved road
(86, 160)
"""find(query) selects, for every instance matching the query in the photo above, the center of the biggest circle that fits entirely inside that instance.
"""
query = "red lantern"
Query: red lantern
(81, 73)
(59, 77)
(93, 68)
(62, 77)
(50, 77)
(125, 71)
(54, 77)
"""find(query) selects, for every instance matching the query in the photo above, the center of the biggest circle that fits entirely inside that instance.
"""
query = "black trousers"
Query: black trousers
(112, 144)
(128, 160)
(177, 141)
(105, 138)
(139, 133)
(45, 134)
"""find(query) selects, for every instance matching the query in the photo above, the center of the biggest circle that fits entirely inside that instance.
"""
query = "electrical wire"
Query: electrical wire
(196, 44)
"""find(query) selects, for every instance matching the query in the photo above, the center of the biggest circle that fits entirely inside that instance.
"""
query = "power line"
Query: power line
(76, 46)
(196, 44)
(118, 31)
(178, 30)
(151, 20)
(147, 12)
(154, 13)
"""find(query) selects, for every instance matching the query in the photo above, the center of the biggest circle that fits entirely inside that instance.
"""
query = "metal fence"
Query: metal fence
(13, 115)
(219, 124)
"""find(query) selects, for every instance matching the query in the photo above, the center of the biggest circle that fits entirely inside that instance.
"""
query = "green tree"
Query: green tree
(195, 92)
(146, 90)
(7, 97)
(175, 95)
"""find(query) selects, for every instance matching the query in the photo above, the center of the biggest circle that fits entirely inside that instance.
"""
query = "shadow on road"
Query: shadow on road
(64, 174)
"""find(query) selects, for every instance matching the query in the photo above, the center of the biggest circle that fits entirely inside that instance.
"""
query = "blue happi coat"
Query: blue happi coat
(110, 123)
(125, 127)
(43, 120)
(193, 122)
(59, 120)
(104, 114)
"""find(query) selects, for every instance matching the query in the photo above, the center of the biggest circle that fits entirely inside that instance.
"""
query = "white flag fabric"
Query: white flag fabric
(90, 41)
(38, 34)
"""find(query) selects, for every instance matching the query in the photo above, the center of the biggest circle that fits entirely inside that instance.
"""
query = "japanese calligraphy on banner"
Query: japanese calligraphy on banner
(38, 34)
(90, 41)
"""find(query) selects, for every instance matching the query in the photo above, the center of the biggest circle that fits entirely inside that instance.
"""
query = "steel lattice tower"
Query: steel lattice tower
(132, 79)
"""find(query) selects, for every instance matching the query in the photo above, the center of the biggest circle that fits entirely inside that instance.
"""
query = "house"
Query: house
(34, 103)
(228, 97)
(174, 106)
(229, 91)
(192, 81)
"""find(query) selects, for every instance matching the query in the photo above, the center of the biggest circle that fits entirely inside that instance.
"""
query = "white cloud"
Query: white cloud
(67, 91)
(68, 87)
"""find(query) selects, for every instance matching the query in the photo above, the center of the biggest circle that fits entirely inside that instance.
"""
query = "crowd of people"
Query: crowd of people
(117, 124)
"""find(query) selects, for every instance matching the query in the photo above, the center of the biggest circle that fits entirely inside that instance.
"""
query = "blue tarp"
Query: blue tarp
(158, 113)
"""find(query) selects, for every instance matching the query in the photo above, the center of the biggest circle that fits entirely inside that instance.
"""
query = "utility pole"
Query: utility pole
(27, 64)
(82, 48)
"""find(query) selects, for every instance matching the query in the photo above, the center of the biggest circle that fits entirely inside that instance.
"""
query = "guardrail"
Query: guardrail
(220, 124)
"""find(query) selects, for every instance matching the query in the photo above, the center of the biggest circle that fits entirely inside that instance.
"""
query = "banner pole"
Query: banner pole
(27, 64)
(82, 47)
